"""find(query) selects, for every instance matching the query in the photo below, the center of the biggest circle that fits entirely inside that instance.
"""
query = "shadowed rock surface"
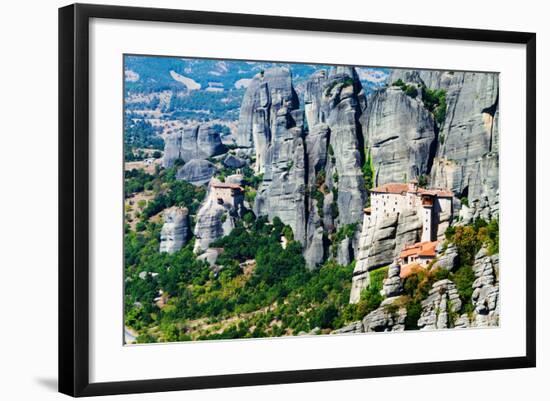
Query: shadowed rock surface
(196, 172)
(233, 162)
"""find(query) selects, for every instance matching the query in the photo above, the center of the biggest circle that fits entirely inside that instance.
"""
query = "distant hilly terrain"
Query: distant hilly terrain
(207, 82)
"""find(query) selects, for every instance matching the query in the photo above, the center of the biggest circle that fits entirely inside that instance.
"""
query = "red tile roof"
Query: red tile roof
(392, 188)
(400, 188)
(419, 249)
(443, 193)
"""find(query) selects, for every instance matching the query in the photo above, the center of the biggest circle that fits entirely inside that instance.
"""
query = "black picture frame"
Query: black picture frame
(74, 198)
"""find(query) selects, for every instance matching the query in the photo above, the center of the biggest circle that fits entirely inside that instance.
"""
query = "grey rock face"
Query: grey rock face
(197, 172)
(296, 164)
(392, 285)
(390, 316)
(233, 162)
(215, 220)
(408, 231)
(442, 303)
(380, 243)
(175, 231)
(235, 179)
(267, 93)
(462, 322)
(315, 251)
(382, 250)
(172, 149)
(345, 252)
(198, 142)
(342, 102)
(282, 192)
(486, 297)
(448, 259)
(271, 122)
(468, 142)
(209, 142)
(400, 134)
(361, 277)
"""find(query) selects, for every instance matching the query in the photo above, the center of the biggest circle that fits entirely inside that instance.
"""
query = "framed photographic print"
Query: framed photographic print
(290, 200)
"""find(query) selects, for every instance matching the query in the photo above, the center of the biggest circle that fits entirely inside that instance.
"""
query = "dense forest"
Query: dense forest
(180, 298)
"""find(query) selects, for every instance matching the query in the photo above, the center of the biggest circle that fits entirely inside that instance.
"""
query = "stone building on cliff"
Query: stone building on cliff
(429, 204)
(400, 215)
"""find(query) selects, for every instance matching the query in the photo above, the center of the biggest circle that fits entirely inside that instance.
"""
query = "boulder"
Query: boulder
(392, 285)
(231, 161)
(448, 258)
(390, 316)
(196, 172)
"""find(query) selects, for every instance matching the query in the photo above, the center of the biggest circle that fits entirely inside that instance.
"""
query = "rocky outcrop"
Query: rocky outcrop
(283, 193)
(486, 297)
(271, 122)
(392, 285)
(448, 258)
(390, 316)
(400, 134)
(172, 149)
(380, 243)
(198, 142)
(215, 219)
(308, 173)
(196, 172)
(175, 230)
(210, 256)
(267, 93)
(344, 254)
(342, 101)
(233, 162)
(438, 309)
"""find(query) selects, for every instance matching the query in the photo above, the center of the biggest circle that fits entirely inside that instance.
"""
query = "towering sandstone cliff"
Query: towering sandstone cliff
(311, 158)
(466, 160)
(299, 164)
